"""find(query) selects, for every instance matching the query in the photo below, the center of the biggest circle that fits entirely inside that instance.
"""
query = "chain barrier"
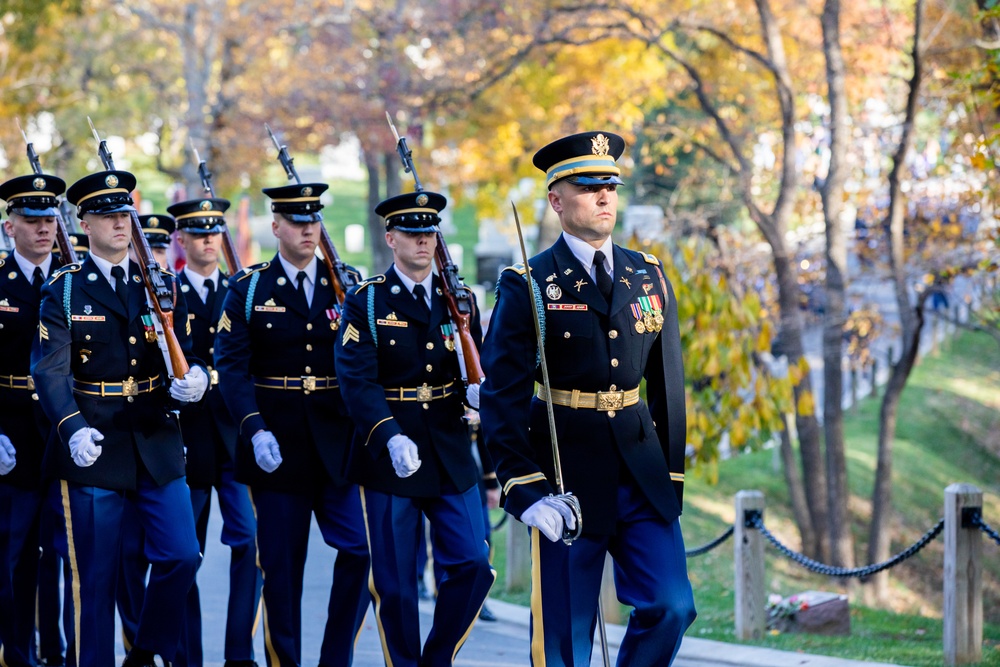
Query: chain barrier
(705, 548)
(986, 528)
(755, 520)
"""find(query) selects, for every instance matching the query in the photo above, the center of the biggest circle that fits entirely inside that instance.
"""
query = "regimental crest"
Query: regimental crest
(153, 222)
(205, 205)
(88, 309)
(422, 200)
(600, 145)
(111, 181)
(307, 191)
(38, 183)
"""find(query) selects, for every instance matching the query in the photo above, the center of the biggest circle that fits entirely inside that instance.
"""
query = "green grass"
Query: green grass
(948, 431)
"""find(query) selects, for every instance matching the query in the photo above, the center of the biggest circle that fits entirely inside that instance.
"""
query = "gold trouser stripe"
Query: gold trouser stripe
(380, 422)
(73, 565)
(263, 602)
(537, 627)
(260, 602)
(371, 581)
(465, 636)
(125, 642)
(523, 479)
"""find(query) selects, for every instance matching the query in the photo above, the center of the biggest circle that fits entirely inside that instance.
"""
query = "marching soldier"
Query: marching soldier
(274, 356)
(31, 223)
(609, 319)
(100, 377)
(134, 565)
(210, 437)
(400, 374)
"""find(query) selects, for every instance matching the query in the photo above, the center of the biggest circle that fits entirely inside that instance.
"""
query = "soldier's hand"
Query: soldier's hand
(8, 456)
(83, 447)
(546, 517)
(404, 455)
(266, 451)
(472, 396)
(191, 387)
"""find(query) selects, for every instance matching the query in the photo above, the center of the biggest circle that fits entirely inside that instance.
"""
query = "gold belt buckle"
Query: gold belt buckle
(424, 393)
(610, 400)
(31, 383)
(213, 375)
(309, 382)
(130, 387)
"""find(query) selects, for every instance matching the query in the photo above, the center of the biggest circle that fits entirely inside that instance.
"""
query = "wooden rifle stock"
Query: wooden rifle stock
(459, 300)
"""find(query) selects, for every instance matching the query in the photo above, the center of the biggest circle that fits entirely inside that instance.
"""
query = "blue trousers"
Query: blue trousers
(19, 515)
(394, 528)
(50, 639)
(89, 540)
(650, 575)
(133, 568)
(239, 530)
(282, 542)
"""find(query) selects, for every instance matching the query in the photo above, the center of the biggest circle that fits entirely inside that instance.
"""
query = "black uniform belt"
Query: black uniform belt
(129, 387)
(602, 401)
(423, 393)
(300, 383)
(16, 382)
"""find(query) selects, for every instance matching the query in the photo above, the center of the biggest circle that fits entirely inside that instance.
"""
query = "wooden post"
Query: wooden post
(518, 575)
(750, 602)
(609, 594)
(963, 577)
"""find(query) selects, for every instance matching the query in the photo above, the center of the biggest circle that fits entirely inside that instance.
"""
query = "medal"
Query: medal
(640, 327)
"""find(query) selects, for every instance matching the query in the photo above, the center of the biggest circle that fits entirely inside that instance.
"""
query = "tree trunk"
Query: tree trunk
(832, 192)
(911, 321)
(381, 255)
(796, 490)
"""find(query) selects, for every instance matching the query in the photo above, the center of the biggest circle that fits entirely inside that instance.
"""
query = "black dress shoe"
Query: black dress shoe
(486, 615)
(240, 663)
(138, 657)
(57, 661)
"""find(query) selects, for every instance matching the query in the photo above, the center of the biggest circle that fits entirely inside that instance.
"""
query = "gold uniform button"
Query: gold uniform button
(131, 339)
(211, 330)
(614, 363)
(268, 325)
(614, 387)
(309, 347)
(34, 396)
(309, 370)
(566, 335)
(211, 350)
(306, 392)
(87, 337)
(429, 368)
(611, 413)
(430, 346)
(613, 334)
(392, 341)
(426, 407)
(130, 399)
(309, 327)
(133, 362)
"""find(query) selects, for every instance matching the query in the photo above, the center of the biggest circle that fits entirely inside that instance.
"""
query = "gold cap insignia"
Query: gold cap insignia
(307, 191)
(422, 200)
(206, 205)
(153, 222)
(73, 240)
(111, 181)
(38, 183)
(600, 145)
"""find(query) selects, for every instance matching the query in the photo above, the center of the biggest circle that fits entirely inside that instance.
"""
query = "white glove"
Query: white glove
(403, 452)
(191, 387)
(83, 447)
(266, 451)
(472, 396)
(8, 456)
(550, 516)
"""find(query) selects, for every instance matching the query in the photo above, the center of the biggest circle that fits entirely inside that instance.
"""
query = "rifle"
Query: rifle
(158, 295)
(456, 294)
(67, 254)
(343, 279)
(228, 247)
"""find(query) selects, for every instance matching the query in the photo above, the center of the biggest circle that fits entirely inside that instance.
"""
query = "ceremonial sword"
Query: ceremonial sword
(568, 498)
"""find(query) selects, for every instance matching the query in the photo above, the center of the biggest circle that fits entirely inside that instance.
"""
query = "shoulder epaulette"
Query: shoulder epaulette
(250, 270)
(374, 280)
(517, 268)
(69, 268)
(650, 259)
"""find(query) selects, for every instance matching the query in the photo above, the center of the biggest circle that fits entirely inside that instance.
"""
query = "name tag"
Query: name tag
(269, 309)
(566, 306)
(392, 323)
(87, 318)
(9, 309)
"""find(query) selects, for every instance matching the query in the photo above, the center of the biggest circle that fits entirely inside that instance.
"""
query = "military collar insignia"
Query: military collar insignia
(281, 280)
(135, 278)
(580, 283)
(91, 277)
(624, 280)
(324, 282)
(438, 291)
(185, 288)
(394, 289)
(12, 275)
